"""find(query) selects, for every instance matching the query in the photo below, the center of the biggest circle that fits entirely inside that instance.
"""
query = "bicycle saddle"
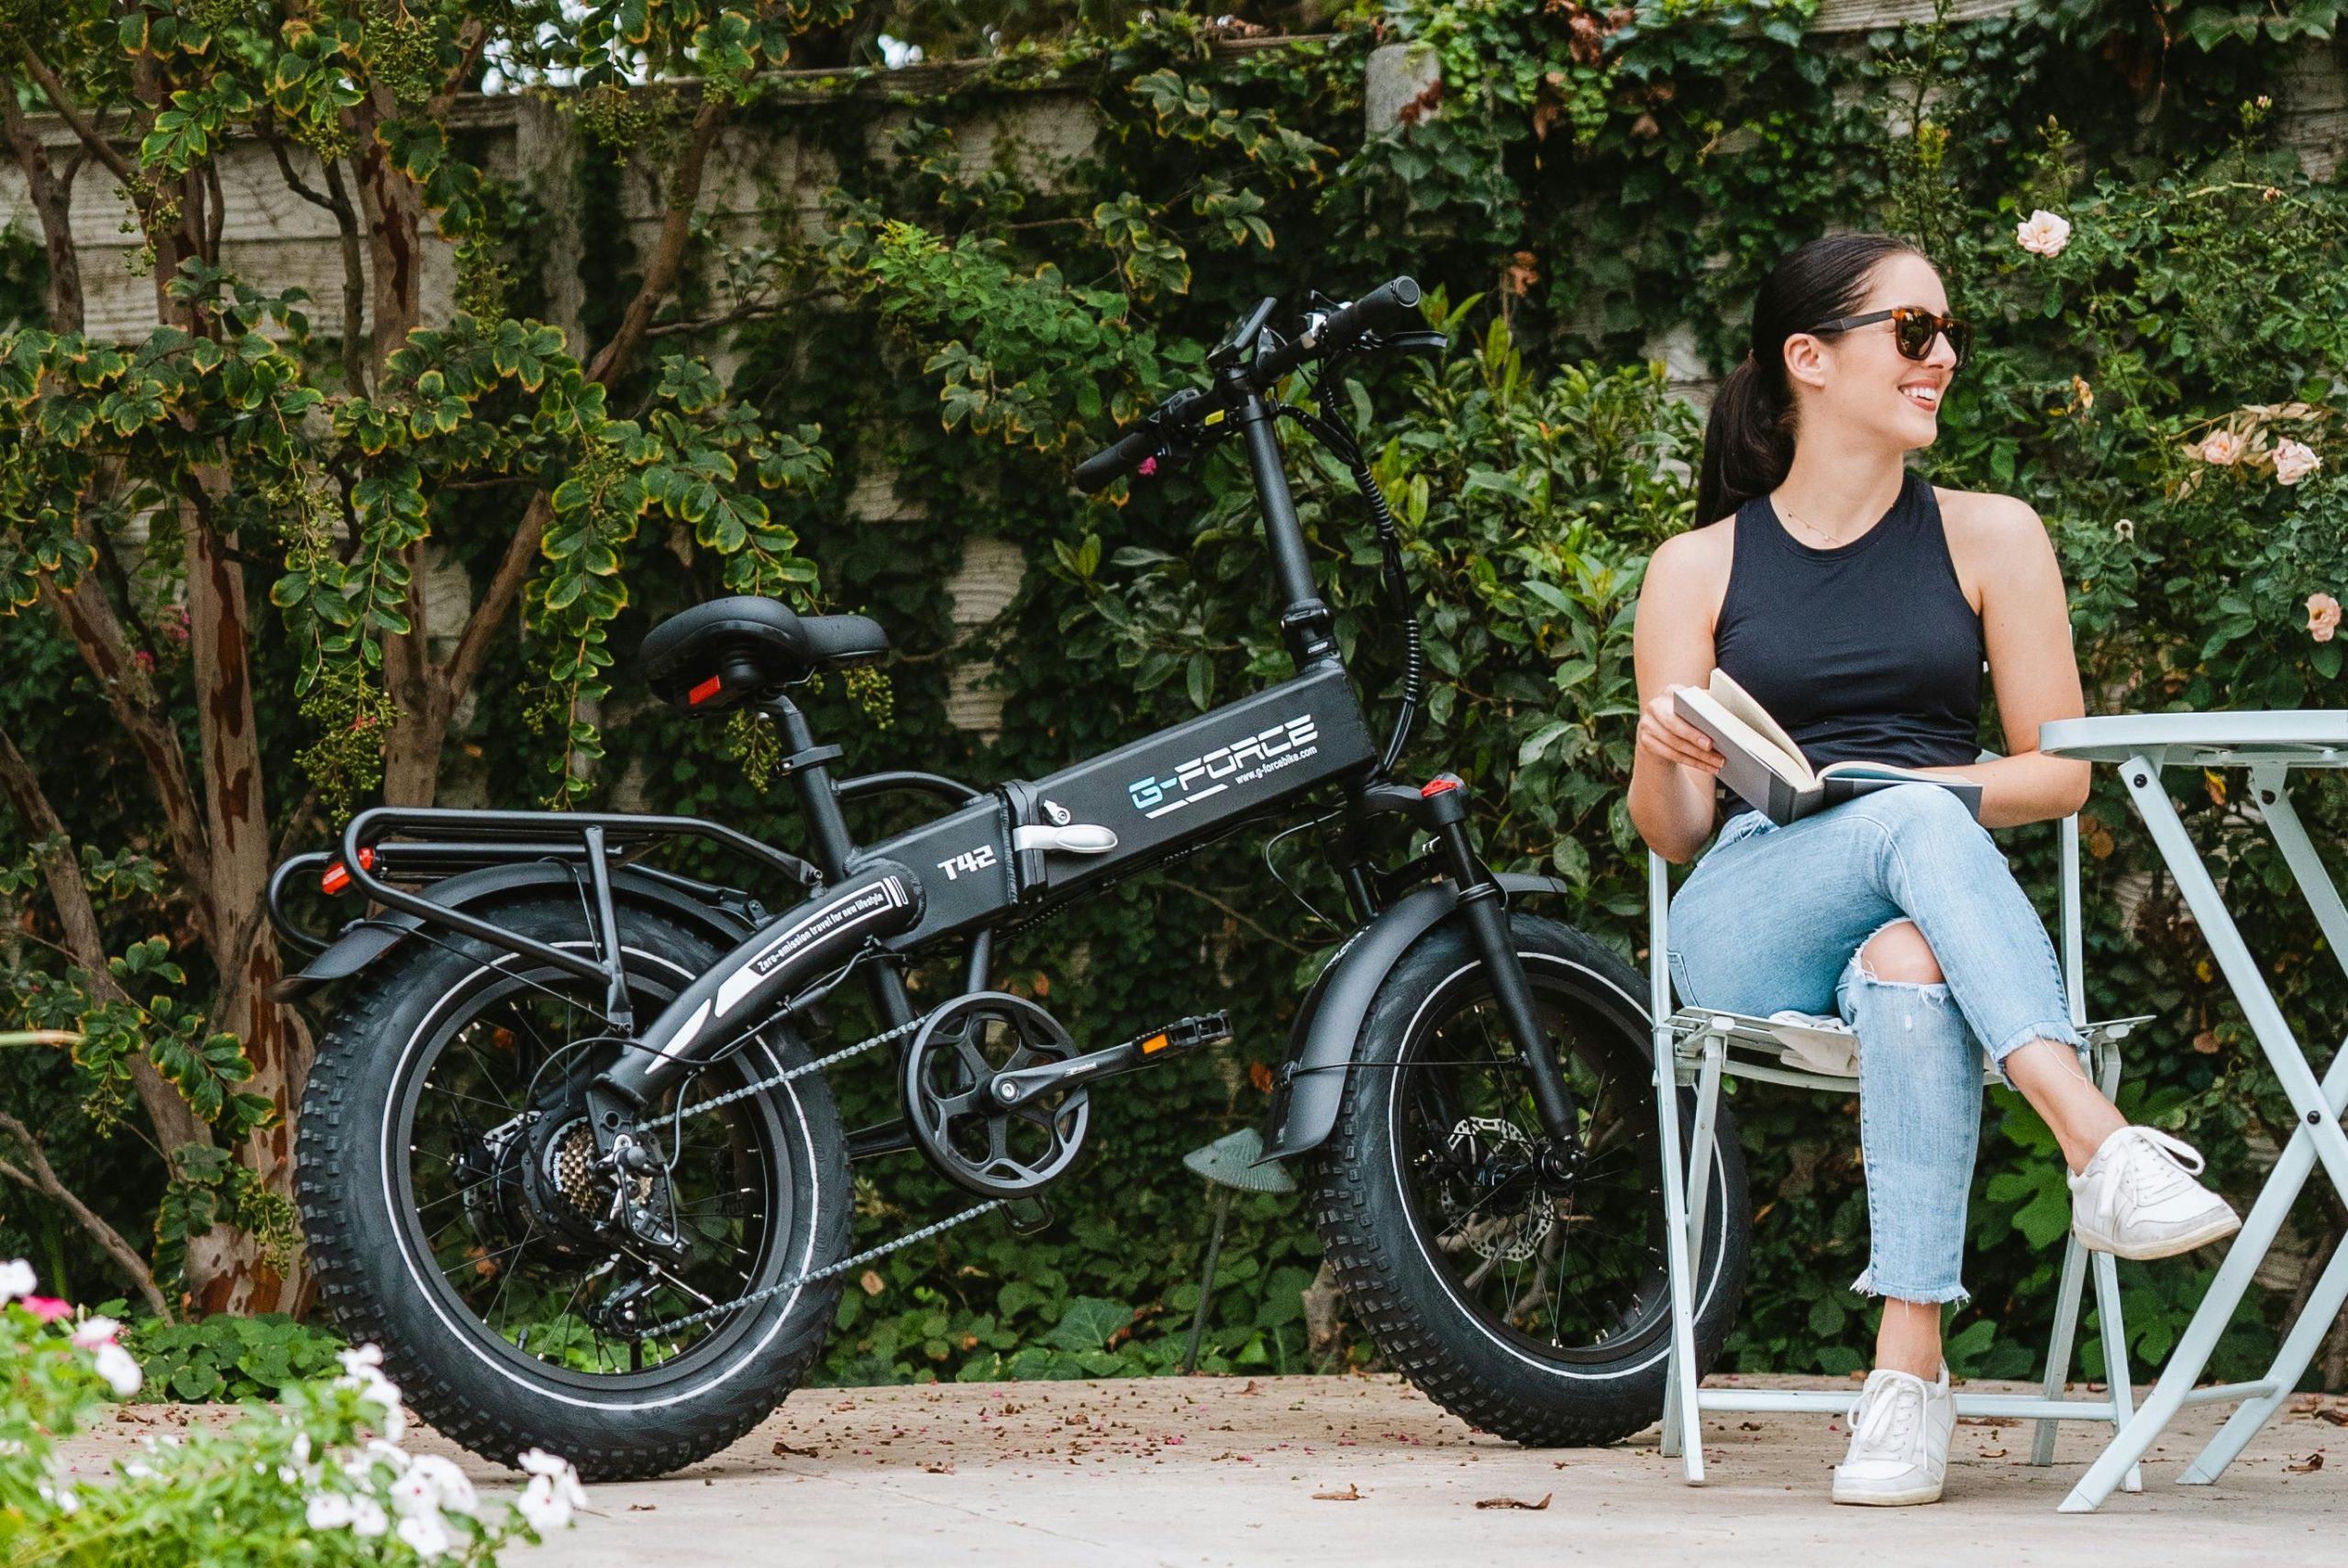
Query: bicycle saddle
(711, 657)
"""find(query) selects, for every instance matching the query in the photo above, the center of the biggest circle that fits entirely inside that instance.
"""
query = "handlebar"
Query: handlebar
(1390, 306)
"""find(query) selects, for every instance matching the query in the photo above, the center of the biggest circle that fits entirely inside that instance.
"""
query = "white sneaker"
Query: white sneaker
(2137, 1199)
(1900, 1434)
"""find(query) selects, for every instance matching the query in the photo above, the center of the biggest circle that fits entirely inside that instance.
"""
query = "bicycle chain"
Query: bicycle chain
(791, 1075)
(813, 1276)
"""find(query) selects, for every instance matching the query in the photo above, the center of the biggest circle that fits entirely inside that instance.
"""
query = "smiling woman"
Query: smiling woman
(1861, 605)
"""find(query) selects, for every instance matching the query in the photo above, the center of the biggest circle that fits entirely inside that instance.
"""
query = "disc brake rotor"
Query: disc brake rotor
(1499, 1210)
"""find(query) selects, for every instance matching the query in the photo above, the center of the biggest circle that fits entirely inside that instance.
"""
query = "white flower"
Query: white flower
(2294, 461)
(542, 1506)
(17, 1278)
(330, 1510)
(63, 1495)
(449, 1488)
(114, 1365)
(389, 1453)
(360, 1360)
(379, 1390)
(2125, 528)
(92, 1332)
(2042, 233)
(367, 1517)
(557, 1469)
(427, 1533)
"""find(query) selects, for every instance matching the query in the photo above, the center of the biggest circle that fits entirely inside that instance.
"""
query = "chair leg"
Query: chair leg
(2115, 1354)
(2058, 1348)
(1686, 1425)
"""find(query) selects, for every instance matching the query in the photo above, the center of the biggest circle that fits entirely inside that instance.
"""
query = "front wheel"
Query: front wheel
(445, 1184)
(1534, 1308)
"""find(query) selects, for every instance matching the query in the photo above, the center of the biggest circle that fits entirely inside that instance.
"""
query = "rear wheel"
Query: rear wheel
(445, 1184)
(1532, 1305)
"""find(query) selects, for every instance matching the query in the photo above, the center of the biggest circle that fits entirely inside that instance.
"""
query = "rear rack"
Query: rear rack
(447, 840)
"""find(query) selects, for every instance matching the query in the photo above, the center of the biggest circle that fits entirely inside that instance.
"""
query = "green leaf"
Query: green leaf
(1089, 1323)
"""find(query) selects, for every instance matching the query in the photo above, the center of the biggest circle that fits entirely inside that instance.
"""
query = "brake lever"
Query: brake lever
(1415, 342)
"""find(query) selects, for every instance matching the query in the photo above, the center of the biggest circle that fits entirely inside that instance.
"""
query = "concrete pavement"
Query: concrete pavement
(1359, 1470)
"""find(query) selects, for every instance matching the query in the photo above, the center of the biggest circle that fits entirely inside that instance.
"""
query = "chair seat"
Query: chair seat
(1776, 1053)
(714, 655)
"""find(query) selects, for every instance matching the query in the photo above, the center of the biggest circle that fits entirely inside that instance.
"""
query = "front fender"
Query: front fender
(362, 945)
(1310, 1084)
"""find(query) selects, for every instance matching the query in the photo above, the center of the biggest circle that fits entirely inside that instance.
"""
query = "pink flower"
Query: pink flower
(146, 660)
(48, 1309)
(2042, 233)
(2220, 447)
(1148, 467)
(2324, 616)
(2294, 461)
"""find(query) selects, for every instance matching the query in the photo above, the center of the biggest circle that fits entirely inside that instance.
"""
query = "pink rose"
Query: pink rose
(2294, 461)
(2220, 447)
(2042, 233)
(2324, 616)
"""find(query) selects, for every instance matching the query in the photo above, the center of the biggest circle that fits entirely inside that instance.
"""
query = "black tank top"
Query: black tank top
(1869, 651)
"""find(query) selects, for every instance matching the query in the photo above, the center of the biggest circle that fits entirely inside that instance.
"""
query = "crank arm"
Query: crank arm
(1025, 1084)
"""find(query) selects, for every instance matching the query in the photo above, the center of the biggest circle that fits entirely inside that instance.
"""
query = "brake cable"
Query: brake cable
(1341, 444)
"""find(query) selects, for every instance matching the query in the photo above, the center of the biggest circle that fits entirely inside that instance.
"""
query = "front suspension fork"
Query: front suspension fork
(1441, 808)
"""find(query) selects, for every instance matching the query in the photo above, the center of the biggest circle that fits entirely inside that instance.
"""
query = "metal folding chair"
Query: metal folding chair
(1700, 1047)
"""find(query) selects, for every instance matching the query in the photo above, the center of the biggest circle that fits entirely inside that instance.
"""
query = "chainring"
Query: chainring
(979, 1144)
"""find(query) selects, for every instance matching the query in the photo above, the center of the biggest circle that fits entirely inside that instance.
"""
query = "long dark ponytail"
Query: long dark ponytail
(1749, 439)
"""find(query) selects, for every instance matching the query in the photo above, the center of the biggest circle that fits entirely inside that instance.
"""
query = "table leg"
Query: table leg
(2323, 1306)
(2298, 1349)
(2319, 1137)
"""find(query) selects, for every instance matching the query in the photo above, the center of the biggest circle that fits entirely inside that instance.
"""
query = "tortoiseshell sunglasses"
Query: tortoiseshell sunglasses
(1913, 329)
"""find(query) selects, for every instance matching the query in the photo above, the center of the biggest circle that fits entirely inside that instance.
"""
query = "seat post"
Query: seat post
(827, 828)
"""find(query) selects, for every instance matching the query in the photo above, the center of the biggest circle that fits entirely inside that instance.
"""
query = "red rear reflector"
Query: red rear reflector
(704, 692)
(1438, 787)
(337, 875)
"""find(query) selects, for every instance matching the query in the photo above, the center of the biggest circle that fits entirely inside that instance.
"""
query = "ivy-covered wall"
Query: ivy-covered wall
(969, 284)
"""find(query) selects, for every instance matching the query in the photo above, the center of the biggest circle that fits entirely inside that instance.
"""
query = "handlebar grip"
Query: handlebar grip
(1384, 308)
(1105, 467)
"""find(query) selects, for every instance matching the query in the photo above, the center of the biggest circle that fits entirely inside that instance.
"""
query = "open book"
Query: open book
(1764, 765)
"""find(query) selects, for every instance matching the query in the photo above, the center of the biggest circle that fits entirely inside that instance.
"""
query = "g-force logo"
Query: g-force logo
(977, 859)
(1242, 762)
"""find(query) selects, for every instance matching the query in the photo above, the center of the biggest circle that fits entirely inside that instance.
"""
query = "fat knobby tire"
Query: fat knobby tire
(364, 1275)
(1423, 1330)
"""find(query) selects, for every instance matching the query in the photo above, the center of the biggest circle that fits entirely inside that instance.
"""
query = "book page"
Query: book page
(1734, 731)
(1740, 702)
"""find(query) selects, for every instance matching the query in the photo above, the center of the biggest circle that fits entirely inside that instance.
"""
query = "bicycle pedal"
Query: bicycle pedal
(1192, 1033)
(1027, 1215)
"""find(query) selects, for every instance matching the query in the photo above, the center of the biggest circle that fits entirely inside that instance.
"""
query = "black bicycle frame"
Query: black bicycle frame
(1000, 858)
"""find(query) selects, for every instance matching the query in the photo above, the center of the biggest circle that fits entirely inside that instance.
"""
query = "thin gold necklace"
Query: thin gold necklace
(1811, 528)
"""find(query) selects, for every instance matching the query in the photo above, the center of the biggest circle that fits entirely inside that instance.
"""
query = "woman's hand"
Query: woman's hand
(1666, 737)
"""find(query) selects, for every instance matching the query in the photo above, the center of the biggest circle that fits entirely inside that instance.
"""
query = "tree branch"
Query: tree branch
(669, 251)
(472, 39)
(52, 199)
(42, 1179)
(668, 259)
(174, 1120)
(101, 148)
(480, 627)
(336, 199)
(89, 618)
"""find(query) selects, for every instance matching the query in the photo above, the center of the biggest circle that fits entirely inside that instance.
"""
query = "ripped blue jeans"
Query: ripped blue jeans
(1774, 918)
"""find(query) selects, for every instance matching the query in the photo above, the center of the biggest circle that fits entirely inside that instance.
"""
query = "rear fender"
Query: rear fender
(1310, 1083)
(364, 945)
